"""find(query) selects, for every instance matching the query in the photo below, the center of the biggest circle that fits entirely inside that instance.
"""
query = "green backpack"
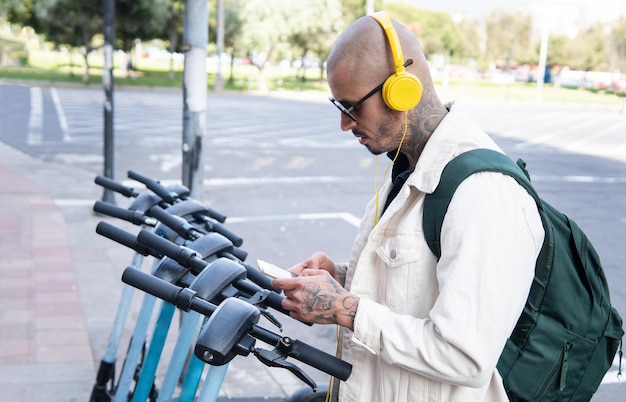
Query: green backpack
(567, 336)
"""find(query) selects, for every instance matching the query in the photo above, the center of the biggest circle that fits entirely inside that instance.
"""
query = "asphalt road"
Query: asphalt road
(292, 183)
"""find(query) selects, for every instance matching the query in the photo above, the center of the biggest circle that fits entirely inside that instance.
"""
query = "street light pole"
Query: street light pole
(195, 41)
(219, 81)
(543, 52)
(108, 14)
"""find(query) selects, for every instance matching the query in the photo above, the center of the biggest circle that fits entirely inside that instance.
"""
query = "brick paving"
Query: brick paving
(43, 336)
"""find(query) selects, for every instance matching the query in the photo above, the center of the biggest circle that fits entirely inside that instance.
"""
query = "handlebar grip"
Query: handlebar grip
(321, 360)
(144, 201)
(218, 216)
(239, 253)
(182, 255)
(134, 217)
(124, 238)
(306, 353)
(151, 284)
(182, 191)
(197, 209)
(162, 191)
(115, 186)
(258, 277)
(183, 298)
(227, 233)
(174, 222)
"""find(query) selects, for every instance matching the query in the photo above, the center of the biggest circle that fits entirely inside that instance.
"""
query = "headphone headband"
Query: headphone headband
(394, 42)
(402, 91)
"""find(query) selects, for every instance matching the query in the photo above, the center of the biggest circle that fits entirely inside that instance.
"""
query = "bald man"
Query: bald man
(416, 328)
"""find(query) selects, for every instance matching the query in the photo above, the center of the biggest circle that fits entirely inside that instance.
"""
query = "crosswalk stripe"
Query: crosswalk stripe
(35, 121)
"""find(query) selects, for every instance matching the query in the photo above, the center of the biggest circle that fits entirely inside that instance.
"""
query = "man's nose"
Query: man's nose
(346, 123)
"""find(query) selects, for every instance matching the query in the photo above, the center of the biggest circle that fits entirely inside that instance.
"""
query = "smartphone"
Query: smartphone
(273, 271)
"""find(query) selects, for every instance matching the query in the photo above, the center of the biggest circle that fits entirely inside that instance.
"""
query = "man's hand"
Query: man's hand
(319, 260)
(316, 297)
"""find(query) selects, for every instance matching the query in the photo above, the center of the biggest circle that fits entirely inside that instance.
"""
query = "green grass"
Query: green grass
(246, 80)
(527, 92)
(35, 74)
(63, 67)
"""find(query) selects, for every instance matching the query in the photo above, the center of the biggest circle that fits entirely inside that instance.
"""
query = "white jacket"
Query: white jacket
(428, 330)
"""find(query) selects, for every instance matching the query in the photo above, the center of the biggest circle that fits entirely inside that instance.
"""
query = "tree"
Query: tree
(557, 50)
(76, 22)
(589, 49)
(508, 38)
(617, 45)
(318, 25)
(24, 12)
(265, 28)
(435, 31)
(233, 28)
(140, 19)
(174, 30)
(269, 25)
(470, 40)
(70, 22)
(21, 13)
(351, 10)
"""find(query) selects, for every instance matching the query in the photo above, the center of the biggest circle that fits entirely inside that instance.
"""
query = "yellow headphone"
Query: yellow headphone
(402, 91)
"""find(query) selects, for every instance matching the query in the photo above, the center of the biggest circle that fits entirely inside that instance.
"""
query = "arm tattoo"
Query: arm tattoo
(322, 302)
(348, 303)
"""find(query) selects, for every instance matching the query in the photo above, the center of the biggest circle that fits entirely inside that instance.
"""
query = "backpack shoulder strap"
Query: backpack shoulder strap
(457, 170)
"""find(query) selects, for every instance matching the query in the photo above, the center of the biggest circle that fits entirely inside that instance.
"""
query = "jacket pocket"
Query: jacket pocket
(404, 278)
(400, 250)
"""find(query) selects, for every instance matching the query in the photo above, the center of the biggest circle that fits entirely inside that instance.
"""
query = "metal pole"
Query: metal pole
(543, 52)
(195, 41)
(108, 14)
(219, 82)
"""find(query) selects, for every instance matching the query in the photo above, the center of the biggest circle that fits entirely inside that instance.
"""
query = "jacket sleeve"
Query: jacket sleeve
(491, 237)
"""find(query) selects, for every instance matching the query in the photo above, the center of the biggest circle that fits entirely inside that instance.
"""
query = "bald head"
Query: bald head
(359, 61)
(363, 50)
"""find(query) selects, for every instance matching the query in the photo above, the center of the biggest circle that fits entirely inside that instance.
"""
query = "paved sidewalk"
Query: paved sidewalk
(45, 352)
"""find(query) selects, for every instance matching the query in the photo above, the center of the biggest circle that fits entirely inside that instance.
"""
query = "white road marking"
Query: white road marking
(598, 134)
(247, 181)
(60, 114)
(344, 216)
(35, 120)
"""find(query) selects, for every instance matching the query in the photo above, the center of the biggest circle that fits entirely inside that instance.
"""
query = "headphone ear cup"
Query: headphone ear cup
(402, 91)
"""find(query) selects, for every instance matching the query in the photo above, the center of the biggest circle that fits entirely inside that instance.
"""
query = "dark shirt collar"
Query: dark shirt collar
(400, 172)
(400, 165)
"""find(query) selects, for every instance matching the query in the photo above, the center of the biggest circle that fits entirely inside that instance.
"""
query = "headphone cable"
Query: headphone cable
(378, 188)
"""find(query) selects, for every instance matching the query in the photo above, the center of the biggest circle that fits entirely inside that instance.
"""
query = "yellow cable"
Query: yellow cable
(376, 187)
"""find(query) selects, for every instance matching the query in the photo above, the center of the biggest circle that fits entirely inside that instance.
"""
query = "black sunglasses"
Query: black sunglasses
(348, 110)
